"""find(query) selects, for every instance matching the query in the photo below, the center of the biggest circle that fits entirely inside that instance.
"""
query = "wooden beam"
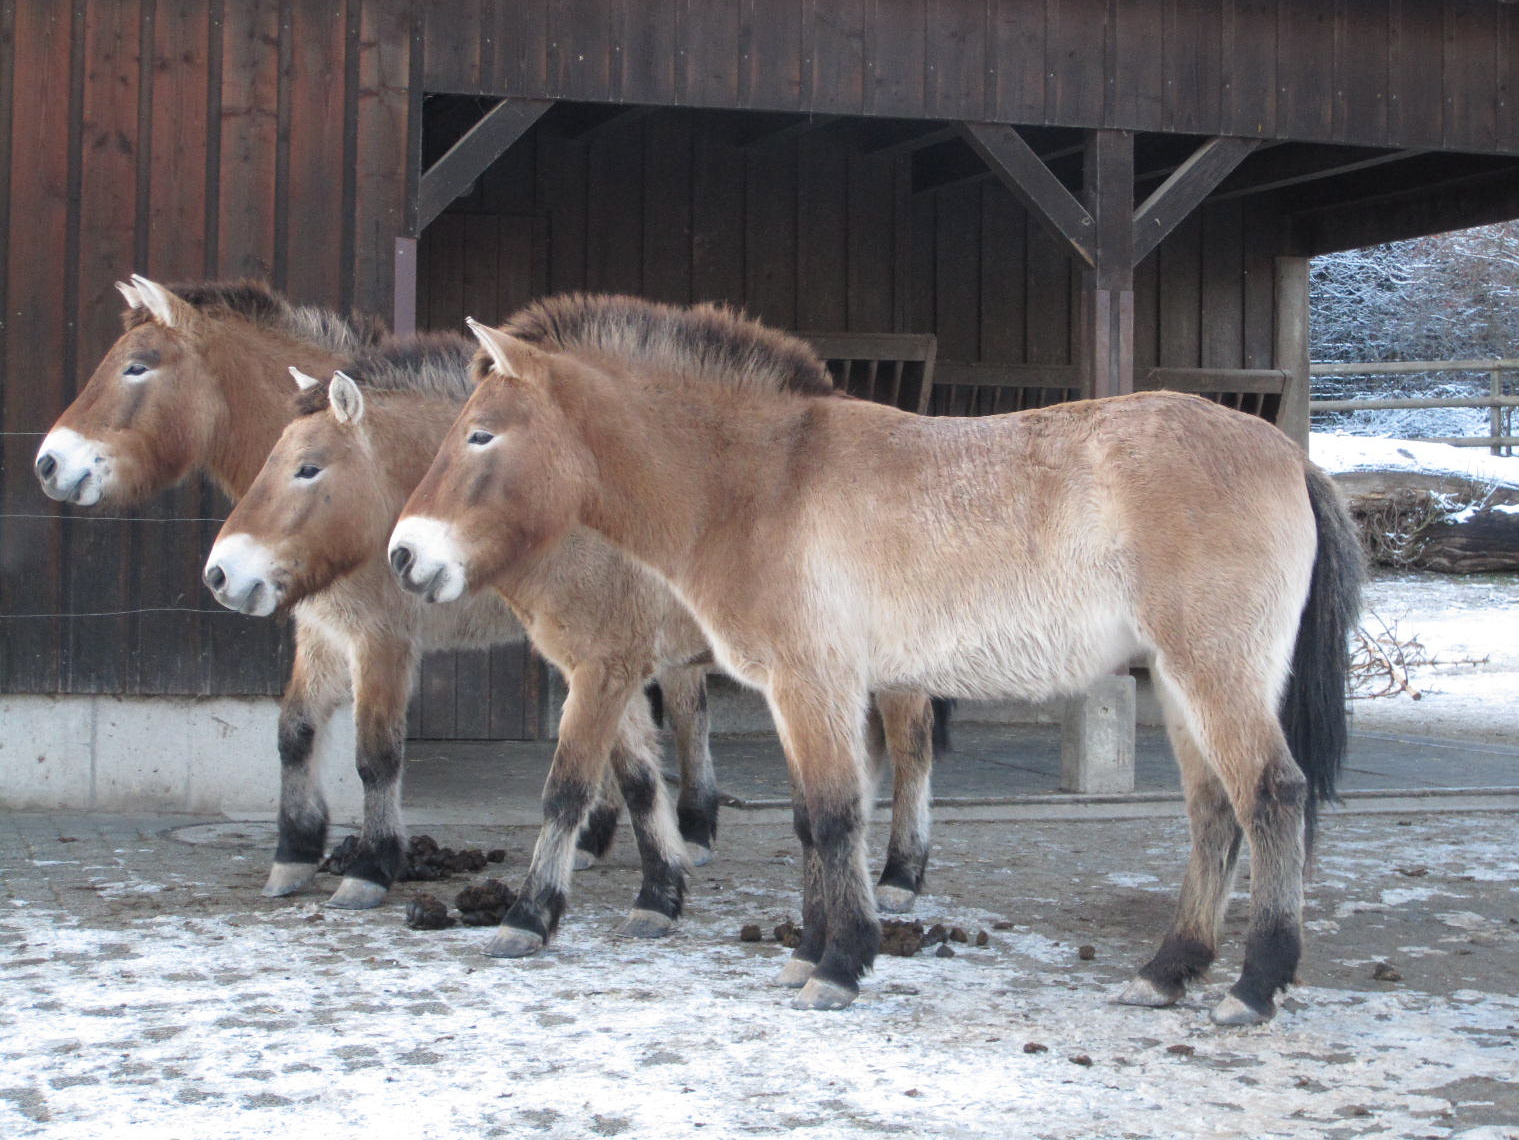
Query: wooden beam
(469, 158)
(794, 127)
(1022, 171)
(1291, 166)
(1289, 347)
(1105, 337)
(1185, 189)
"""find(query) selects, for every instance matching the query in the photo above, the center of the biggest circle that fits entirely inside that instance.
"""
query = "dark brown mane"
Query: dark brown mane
(258, 304)
(710, 343)
(428, 364)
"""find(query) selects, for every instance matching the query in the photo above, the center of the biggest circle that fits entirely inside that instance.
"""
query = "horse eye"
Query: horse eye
(307, 471)
(479, 437)
(134, 369)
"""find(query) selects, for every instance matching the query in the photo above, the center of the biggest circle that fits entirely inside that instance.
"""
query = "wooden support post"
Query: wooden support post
(403, 320)
(1290, 345)
(1106, 344)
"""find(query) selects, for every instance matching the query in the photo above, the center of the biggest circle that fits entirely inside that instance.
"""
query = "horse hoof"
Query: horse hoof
(584, 860)
(1232, 1011)
(699, 854)
(894, 900)
(357, 894)
(287, 878)
(509, 942)
(795, 973)
(1142, 991)
(818, 994)
(645, 924)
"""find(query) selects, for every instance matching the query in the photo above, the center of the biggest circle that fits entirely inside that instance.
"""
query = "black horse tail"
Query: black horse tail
(942, 707)
(1313, 713)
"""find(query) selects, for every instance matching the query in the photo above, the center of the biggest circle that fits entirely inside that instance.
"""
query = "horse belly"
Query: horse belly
(1002, 647)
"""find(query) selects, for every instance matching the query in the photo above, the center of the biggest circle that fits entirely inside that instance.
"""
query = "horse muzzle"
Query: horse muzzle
(241, 576)
(425, 561)
(72, 469)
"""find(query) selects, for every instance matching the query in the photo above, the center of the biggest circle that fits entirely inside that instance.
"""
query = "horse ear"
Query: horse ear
(168, 310)
(302, 379)
(511, 357)
(129, 294)
(347, 400)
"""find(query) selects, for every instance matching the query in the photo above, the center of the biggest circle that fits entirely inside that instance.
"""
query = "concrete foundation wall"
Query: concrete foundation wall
(158, 754)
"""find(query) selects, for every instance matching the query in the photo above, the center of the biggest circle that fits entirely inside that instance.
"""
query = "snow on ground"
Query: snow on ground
(228, 1016)
(1344, 454)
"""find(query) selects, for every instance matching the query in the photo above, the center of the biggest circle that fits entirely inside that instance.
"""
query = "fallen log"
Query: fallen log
(1473, 542)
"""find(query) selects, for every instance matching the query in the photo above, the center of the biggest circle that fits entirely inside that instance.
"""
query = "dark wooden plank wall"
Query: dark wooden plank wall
(181, 139)
(1367, 72)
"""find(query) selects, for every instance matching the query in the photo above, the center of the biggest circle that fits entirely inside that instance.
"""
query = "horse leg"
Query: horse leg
(595, 838)
(318, 684)
(830, 795)
(382, 685)
(594, 705)
(1191, 944)
(635, 761)
(907, 723)
(1243, 742)
(685, 695)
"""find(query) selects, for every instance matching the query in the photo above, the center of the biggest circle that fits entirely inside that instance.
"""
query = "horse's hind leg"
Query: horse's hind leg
(635, 760)
(382, 686)
(318, 684)
(685, 698)
(1239, 734)
(594, 705)
(1192, 942)
(907, 723)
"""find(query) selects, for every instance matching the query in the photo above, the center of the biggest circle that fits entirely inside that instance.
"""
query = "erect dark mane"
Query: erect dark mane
(257, 303)
(710, 343)
(428, 364)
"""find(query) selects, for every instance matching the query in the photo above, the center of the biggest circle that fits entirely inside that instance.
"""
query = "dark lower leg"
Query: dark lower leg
(814, 904)
(1274, 940)
(382, 837)
(853, 934)
(541, 901)
(663, 861)
(908, 726)
(303, 811)
(595, 838)
(686, 707)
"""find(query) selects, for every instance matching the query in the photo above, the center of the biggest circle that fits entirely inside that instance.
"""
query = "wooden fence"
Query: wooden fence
(1500, 439)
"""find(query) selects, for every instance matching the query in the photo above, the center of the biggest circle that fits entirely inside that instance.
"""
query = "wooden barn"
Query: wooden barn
(974, 205)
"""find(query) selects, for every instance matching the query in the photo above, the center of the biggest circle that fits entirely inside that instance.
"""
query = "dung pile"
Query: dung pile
(484, 904)
(425, 861)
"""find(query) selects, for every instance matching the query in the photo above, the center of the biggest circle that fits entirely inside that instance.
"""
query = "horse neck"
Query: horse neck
(674, 463)
(250, 369)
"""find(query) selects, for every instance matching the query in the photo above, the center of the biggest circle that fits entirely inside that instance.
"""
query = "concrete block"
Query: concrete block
(1097, 738)
(45, 752)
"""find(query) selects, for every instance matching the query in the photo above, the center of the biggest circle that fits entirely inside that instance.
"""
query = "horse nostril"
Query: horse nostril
(401, 557)
(47, 463)
(216, 578)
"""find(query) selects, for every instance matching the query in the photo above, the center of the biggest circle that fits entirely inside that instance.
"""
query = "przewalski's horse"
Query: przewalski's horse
(311, 533)
(199, 381)
(830, 546)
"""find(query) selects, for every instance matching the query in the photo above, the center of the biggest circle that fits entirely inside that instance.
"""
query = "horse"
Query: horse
(199, 381)
(310, 535)
(829, 547)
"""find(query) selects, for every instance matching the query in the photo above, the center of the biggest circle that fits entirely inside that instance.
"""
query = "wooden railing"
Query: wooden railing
(1500, 439)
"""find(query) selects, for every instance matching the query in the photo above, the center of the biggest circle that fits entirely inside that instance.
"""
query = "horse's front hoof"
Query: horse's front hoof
(819, 994)
(699, 854)
(509, 942)
(1232, 1011)
(894, 900)
(287, 878)
(1142, 991)
(795, 973)
(645, 924)
(357, 894)
(584, 860)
